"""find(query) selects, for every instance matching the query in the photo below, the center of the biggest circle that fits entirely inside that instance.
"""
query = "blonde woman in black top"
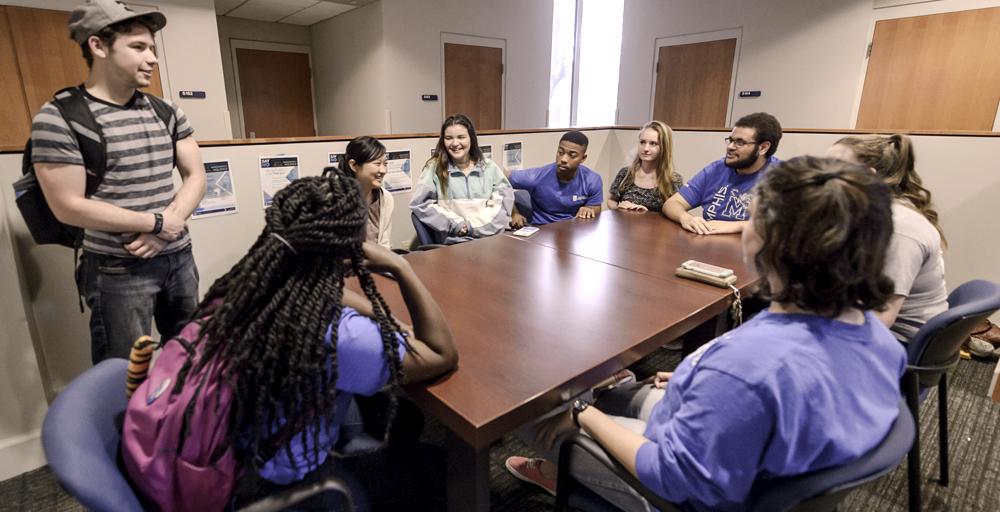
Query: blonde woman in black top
(650, 179)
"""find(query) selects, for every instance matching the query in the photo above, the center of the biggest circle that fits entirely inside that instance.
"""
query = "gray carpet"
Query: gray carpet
(974, 448)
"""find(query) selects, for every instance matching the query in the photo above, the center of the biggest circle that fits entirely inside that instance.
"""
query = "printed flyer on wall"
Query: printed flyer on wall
(487, 151)
(335, 159)
(220, 196)
(276, 172)
(397, 176)
(512, 156)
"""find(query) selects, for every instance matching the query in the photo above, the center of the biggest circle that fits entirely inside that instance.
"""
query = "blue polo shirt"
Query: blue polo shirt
(723, 193)
(552, 200)
(783, 395)
(361, 369)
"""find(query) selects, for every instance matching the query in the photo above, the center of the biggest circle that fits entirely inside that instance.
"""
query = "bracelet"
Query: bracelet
(578, 407)
(157, 224)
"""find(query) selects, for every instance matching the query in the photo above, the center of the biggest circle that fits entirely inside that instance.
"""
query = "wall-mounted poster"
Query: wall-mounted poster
(513, 156)
(397, 176)
(276, 172)
(220, 196)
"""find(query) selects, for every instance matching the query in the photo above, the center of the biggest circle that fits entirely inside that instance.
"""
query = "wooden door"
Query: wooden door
(473, 83)
(693, 83)
(15, 120)
(45, 60)
(276, 93)
(936, 72)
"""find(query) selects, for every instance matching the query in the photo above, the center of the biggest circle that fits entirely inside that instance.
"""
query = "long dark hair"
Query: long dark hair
(441, 157)
(892, 158)
(362, 150)
(268, 316)
(825, 226)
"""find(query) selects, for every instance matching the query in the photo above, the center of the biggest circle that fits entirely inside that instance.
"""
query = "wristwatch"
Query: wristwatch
(578, 407)
(157, 224)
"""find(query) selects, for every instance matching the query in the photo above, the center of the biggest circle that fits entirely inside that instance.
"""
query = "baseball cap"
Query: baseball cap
(89, 18)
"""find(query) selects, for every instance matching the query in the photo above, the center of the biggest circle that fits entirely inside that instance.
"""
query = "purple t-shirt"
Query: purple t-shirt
(553, 200)
(361, 369)
(723, 193)
(783, 395)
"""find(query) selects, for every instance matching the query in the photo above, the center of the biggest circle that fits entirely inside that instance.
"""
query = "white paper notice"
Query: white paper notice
(487, 151)
(512, 156)
(220, 196)
(397, 175)
(276, 172)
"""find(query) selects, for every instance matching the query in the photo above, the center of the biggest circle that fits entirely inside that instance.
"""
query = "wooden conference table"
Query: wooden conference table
(542, 319)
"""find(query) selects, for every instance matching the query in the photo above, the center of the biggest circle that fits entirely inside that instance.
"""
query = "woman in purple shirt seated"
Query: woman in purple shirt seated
(810, 383)
(297, 345)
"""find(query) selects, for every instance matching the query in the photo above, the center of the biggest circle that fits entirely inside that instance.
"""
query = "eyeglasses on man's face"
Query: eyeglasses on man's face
(739, 142)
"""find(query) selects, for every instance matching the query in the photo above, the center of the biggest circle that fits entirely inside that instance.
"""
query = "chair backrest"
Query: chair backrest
(822, 490)
(81, 437)
(937, 343)
(522, 200)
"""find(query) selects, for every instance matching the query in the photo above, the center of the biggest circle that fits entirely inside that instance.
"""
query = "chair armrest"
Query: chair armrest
(287, 498)
(595, 450)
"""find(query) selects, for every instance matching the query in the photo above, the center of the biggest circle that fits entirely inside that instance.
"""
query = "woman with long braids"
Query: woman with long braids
(462, 194)
(914, 262)
(293, 344)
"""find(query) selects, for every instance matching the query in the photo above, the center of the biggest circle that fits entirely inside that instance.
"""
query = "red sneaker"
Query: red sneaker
(530, 470)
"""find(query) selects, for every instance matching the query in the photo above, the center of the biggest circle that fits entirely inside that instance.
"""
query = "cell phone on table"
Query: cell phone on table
(706, 269)
(526, 231)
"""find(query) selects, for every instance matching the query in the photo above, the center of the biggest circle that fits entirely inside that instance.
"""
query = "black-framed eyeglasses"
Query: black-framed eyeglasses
(739, 142)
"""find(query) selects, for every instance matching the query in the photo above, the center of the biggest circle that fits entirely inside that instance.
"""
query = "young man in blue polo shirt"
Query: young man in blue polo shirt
(722, 188)
(563, 189)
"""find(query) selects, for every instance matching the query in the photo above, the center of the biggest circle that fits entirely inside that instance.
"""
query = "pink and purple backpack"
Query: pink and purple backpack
(175, 439)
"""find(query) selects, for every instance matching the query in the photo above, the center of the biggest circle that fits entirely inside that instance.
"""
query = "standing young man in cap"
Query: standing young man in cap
(136, 263)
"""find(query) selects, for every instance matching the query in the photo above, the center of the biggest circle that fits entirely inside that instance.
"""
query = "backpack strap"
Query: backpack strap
(167, 114)
(74, 108)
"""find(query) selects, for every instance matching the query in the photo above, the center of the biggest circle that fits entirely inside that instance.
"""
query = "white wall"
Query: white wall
(250, 30)
(189, 58)
(350, 72)
(413, 51)
(21, 397)
(807, 57)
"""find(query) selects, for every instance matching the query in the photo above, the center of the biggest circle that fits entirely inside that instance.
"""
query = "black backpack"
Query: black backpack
(45, 228)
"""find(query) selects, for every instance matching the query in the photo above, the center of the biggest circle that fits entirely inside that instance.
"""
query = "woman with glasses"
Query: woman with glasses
(722, 189)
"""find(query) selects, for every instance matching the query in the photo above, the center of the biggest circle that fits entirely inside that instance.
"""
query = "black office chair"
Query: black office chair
(81, 435)
(522, 201)
(426, 238)
(931, 353)
(819, 490)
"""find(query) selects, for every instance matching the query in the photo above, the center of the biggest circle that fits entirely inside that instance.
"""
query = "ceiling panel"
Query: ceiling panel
(297, 12)
(269, 10)
(317, 13)
(224, 6)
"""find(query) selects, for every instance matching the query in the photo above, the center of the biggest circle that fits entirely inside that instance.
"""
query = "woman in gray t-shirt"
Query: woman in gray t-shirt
(914, 262)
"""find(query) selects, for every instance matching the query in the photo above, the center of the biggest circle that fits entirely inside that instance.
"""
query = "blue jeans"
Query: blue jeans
(630, 406)
(125, 294)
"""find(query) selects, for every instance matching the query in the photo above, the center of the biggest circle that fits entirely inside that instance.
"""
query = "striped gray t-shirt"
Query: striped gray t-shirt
(139, 160)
